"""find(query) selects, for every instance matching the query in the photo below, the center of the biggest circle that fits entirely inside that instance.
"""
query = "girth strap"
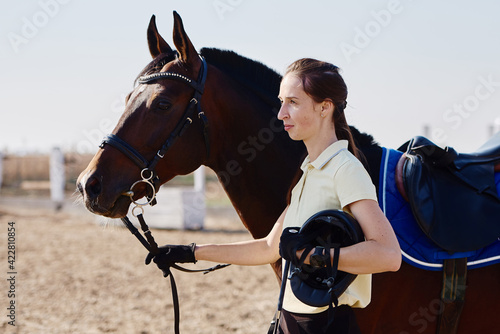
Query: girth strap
(452, 295)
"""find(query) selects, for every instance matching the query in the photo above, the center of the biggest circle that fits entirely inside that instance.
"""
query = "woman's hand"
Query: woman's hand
(171, 254)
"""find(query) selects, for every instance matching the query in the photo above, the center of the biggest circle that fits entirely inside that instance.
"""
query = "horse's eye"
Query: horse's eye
(163, 105)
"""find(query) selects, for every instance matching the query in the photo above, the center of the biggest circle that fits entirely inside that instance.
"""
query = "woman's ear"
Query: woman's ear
(329, 105)
(327, 108)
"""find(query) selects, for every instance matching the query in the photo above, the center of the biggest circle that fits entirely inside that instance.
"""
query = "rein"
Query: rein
(150, 177)
(150, 244)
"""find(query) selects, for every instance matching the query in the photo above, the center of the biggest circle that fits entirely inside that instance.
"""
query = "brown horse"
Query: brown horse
(233, 130)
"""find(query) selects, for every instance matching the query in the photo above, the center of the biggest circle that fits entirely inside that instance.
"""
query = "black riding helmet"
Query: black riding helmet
(320, 284)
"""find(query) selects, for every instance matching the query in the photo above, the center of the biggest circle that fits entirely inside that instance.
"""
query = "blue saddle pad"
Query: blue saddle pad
(417, 249)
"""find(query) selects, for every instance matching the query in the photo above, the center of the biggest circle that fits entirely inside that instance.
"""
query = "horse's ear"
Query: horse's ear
(183, 44)
(157, 44)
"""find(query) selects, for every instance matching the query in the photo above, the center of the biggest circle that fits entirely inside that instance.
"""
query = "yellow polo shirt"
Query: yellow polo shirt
(332, 181)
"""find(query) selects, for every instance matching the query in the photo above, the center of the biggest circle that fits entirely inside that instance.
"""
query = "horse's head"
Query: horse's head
(163, 106)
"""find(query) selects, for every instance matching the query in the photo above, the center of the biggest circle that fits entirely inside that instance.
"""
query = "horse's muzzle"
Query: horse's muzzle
(97, 202)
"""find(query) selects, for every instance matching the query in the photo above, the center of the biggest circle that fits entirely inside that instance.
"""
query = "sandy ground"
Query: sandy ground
(77, 275)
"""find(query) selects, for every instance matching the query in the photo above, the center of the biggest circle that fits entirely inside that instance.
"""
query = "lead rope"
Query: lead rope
(155, 250)
(150, 244)
(280, 300)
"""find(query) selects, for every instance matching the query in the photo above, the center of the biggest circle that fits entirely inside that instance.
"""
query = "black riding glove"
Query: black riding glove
(290, 242)
(171, 254)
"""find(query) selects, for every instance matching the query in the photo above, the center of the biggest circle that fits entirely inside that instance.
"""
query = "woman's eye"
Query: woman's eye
(163, 105)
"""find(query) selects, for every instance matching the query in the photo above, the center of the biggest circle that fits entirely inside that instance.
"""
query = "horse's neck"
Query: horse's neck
(373, 157)
(254, 159)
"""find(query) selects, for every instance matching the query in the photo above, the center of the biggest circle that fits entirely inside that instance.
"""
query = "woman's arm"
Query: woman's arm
(252, 252)
(379, 252)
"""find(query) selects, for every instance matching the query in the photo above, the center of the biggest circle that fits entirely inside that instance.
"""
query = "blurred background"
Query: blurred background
(412, 67)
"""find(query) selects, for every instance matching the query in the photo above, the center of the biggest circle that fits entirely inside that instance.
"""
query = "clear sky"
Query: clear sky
(66, 65)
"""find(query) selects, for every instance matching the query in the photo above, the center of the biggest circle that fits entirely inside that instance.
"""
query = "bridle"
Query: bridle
(150, 177)
(148, 174)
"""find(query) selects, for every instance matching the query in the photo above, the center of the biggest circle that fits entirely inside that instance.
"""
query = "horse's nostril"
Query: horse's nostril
(79, 187)
(93, 187)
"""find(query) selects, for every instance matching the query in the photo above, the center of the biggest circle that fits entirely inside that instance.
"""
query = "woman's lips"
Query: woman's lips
(288, 127)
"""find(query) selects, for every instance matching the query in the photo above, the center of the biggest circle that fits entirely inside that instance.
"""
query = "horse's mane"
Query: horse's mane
(362, 139)
(252, 74)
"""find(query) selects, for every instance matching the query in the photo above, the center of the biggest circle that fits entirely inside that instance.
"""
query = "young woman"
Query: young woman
(313, 96)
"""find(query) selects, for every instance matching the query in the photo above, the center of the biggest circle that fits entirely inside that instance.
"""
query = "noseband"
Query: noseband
(148, 173)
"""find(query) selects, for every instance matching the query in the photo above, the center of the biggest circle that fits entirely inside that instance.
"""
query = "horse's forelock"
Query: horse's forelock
(157, 64)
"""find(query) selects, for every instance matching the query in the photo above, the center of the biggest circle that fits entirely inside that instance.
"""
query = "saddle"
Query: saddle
(453, 195)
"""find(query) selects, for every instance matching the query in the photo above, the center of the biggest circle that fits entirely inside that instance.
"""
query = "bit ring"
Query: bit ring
(130, 193)
(135, 207)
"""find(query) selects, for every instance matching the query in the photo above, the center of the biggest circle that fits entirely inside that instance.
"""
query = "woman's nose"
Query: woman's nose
(282, 114)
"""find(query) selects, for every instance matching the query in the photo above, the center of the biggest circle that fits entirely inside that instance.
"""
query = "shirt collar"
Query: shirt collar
(328, 154)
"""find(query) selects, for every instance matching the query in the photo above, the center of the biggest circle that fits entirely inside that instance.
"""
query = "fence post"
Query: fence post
(194, 207)
(199, 179)
(57, 177)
